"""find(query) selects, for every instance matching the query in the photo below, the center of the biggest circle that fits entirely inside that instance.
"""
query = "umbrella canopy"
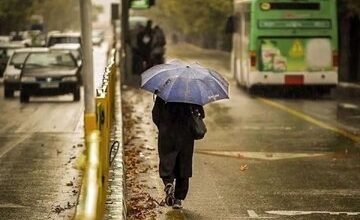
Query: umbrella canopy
(178, 82)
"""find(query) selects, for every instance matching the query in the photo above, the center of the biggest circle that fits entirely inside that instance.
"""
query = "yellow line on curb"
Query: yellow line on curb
(312, 120)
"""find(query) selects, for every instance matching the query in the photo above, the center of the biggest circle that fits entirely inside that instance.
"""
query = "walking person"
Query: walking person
(144, 43)
(181, 90)
(137, 56)
(175, 147)
(158, 46)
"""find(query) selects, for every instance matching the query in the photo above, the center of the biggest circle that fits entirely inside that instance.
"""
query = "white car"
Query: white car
(13, 69)
(63, 38)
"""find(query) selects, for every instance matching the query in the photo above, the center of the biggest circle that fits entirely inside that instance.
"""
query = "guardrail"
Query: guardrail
(92, 196)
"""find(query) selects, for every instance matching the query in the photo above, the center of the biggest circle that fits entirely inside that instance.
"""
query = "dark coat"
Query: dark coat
(175, 141)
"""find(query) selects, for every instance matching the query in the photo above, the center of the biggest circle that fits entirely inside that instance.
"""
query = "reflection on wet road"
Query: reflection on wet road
(274, 156)
(39, 144)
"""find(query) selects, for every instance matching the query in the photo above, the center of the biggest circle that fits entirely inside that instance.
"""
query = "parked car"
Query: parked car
(63, 38)
(4, 39)
(97, 37)
(49, 73)
(13, 69)
(6, 50)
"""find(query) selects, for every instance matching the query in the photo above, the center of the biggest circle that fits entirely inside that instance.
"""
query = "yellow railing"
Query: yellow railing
(95, 162)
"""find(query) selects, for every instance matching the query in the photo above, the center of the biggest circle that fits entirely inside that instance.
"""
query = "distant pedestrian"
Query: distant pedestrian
(137, 55)
(175, 147)
(144, 43)
(158, 46)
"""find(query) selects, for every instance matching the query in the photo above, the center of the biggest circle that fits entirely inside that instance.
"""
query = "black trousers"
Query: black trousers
(181, 186)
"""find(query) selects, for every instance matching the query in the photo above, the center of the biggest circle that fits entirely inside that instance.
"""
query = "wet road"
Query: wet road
(273, 157)
(39, 142)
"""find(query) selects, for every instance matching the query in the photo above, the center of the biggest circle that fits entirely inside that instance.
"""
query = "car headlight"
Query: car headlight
(70, 78)
(28, 79)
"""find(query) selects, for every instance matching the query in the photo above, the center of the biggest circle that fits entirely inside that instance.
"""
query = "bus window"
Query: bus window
(289, 6)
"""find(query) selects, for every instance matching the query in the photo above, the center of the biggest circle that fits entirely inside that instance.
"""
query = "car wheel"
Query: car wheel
(8, 93)
(24, 97)
(76, 94)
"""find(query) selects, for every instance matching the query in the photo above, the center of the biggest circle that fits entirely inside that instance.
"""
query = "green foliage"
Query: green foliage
(59, 14)
(203, 20)
(13, 14)
(195, 16)
(352, 5)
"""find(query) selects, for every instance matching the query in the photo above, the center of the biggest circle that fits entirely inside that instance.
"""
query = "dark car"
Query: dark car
(50, 73)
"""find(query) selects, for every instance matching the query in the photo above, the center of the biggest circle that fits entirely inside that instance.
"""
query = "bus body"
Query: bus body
(285, 43)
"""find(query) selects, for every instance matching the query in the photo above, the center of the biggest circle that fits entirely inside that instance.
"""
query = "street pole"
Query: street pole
(125, 44)
(87, 69)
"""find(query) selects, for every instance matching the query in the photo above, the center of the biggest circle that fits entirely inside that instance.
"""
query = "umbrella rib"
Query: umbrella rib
(220, 83)
(155, 74)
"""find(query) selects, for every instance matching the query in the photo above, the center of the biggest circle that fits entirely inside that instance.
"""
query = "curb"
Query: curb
(346, 90)
(115, 207)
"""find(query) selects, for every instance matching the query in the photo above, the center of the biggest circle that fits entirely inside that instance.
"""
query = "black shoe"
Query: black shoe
(169, 198)
(177, 204)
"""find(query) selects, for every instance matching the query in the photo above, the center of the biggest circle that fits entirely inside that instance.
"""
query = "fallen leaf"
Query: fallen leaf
(244, 167)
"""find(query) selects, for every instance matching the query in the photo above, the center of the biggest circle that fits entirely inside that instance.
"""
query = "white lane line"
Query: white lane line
(252, 214)
(12, 144)
(260, 155)
(296, 213)
(11, 205)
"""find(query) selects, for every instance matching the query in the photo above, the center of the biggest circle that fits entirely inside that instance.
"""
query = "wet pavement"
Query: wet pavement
(263, 157)
(39, 145)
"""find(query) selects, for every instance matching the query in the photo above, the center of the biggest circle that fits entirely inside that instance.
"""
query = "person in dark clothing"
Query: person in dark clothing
(158, 46)
(175, 147)
(137, 54)
(144, 40)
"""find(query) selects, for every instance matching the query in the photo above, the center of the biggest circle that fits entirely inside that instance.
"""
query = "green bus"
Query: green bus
(285, 43)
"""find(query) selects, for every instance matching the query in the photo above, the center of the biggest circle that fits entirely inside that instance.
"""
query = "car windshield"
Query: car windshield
(75, 53)
(64, 40)
(18, 58)
(50, 59)
(6, 52)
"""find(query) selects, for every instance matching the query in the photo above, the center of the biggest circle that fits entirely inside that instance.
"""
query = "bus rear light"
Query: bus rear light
(253, 58)
(335, 59)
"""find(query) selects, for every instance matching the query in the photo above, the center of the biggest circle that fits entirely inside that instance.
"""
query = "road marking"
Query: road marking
(349, 106)
(260, 155)
(11, 205)
(312, 120)
(252, 215)
(11, 144)
(296, 213)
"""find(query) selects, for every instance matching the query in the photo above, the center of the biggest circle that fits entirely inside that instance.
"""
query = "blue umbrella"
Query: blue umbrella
(178, 82)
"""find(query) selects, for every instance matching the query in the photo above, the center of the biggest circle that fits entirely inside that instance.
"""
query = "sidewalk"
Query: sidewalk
(144, 189)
